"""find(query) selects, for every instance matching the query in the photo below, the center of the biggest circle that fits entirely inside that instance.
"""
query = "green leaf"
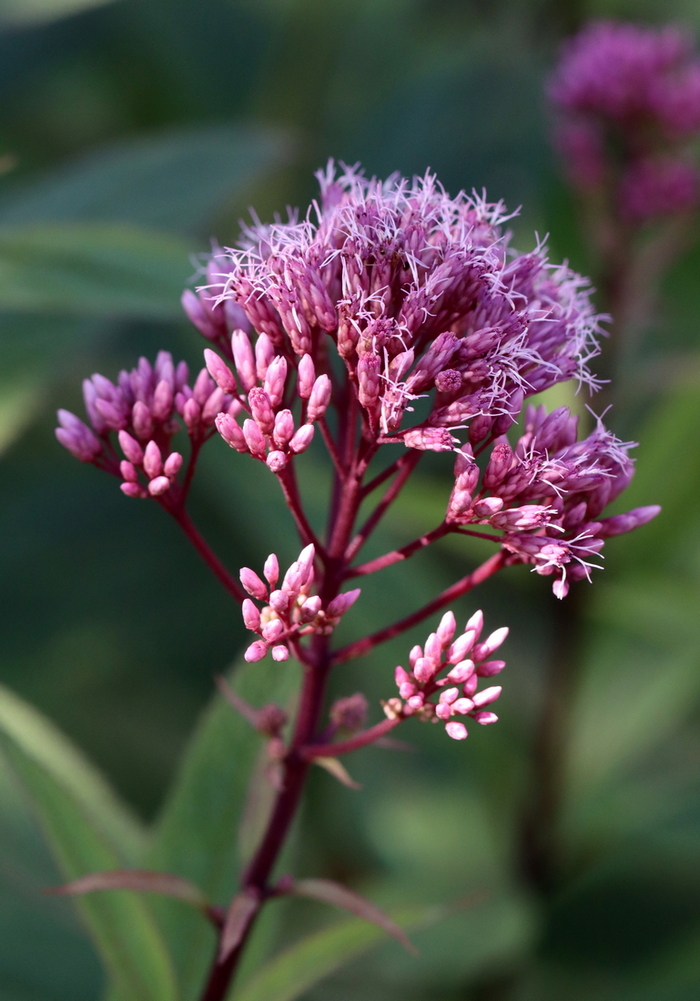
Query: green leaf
(83, 823)
(196, 835)
(92, 269)
(175, 180)
(297, 969)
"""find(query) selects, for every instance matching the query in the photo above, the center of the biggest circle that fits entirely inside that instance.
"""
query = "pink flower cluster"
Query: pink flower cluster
(466, 660)
(261, 387)
(420, 294)
(143, 409)
(628, 99)
(547, 493)
(290, 611)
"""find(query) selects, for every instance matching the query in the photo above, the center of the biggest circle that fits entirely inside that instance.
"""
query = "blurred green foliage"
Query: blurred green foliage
(131, 134)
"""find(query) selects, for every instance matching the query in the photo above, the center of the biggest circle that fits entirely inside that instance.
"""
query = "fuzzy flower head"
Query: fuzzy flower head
(422, 298)
(289, 609)
(443, 676)
(628, 101)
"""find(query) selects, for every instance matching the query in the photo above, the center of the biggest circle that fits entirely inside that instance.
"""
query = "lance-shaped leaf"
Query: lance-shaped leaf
(296, 970)
(336, 768)
(69, 801)
(143, 880)
(330, 892)
(243, 907)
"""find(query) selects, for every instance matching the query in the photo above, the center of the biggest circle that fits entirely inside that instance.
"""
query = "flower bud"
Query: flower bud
(131, 448)
(302, 438)
(251, 615)
(220, 372)
(158, 486)
(152, 460)
(230, 431)
(256, 651)
(252, 584)
(457, 731)
(172, 465)
(306, 376)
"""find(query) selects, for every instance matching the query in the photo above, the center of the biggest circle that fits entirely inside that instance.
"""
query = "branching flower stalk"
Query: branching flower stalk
(386, 293)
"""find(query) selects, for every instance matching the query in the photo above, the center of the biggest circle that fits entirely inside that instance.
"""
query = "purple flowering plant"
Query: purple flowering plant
(389, 321)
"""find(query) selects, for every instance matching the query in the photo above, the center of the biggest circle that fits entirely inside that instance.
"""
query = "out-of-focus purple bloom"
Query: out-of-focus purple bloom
(628, 100)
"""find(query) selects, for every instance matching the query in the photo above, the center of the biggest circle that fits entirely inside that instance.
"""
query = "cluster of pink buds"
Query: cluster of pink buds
(260, 386)
(628, 103)
(290, 611)
(143, 409)
(429, 696)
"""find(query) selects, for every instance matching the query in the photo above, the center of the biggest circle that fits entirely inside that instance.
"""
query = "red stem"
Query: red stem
(290, 490)
(360, 647)
(400, 554)
(352, 744)
(405, 466)
(207, 553)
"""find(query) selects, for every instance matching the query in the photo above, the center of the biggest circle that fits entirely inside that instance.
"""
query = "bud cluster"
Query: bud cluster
(260, 386)
(628, 101)
(546, 494)
(429, 697)
(290, 610)
(143, 408)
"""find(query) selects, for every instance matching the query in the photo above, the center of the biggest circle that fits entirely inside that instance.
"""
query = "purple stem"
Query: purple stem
(332, 750)
(207, 553)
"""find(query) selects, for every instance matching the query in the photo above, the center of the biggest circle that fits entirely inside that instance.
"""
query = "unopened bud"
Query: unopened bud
(457, 731)
(172, 465)
(280, 652)
(306, 376)
(158, 486)
(271, 569)
(152, 460)
(231, 432)
(252, 584)
(131, 448)
(220, 372)
(256, 651)
(251, 615)
(302, 438)
(254, 439)
(319, 399)
(276, 461)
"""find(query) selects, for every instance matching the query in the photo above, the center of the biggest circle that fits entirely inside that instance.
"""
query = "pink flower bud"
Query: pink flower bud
(280, 652)
(220, 372)
(256, 651)
(449, 695)
(251, 615)
(430, 440)
(131, 448)
(462, 706)
(310, 608)
(433, 648)
(476, 624)
(407, 690)
(461, 672)
(415, 654)
(276, 379)
(133, 490)
(261, 409)
(306, 376)
(446, 629)
(264, 353)
(173, 464)
(162, 405)
(490, 667)
(243, 359)
(485, 718)
(230, 431)
(152, 460)
(342, 602)
(487, 507)
(284, 428)
(158, 486)
(213, 405)
(560, 588)
(491, 643)
(192, 413)
(203, 387)
(461, 647)
(319, 399)
(279, 601)
(457, 731)
(254, 439)
(401, 677)
(424, 669)
(271, 569)
(276, 461)
(141, 420)
(443, 710)
(486, 697)
(469, 686)
(272, 630)
(252, 584)
(416, 701)
(302, 438)
(306, 563)
(128, 471)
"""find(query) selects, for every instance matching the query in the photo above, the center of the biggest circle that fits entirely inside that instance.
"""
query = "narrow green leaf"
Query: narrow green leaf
(294, 971)
(175, 180)
(93, 270)
(64, 798)
(196, 836)
(25, 728)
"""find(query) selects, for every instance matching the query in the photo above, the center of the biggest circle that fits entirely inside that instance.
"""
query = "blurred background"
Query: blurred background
(131, 134)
